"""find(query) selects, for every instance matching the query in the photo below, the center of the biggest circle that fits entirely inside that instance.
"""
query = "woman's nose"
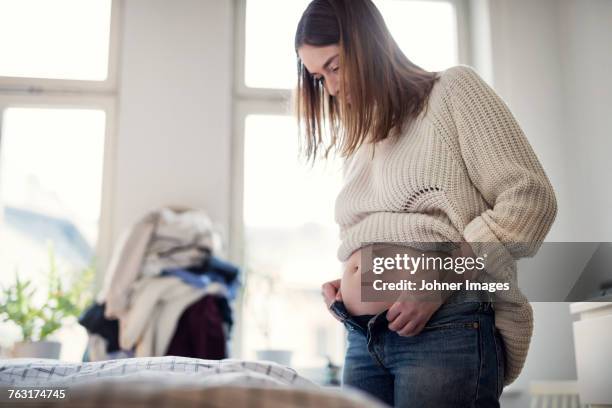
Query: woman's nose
(332, 87)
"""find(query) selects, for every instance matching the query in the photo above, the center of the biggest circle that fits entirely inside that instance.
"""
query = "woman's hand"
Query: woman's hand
(408, 318)
(331, 292)
(409, 314)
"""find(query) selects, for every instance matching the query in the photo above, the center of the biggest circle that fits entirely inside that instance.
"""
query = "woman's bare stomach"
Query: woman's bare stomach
(350, 288)
(350, 285)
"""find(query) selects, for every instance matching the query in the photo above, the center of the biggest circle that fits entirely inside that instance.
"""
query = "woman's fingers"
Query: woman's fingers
(409, 329)
(400, 321)
(404, 319)
(393, 311)
(330, 291)
(338, 291)
(409, 318)
(419, 328)
(335, 283)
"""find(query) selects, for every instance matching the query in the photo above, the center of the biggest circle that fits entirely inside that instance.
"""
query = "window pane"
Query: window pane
(291, 242)
(425, 30)
(50, 191)
(50, 188)
(60, 39)
(270, 60)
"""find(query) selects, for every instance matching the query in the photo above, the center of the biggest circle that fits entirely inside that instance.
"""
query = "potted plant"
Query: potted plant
(38, 321)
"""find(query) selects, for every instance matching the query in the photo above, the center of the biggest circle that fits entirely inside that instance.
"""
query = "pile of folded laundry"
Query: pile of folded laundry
(167, 291)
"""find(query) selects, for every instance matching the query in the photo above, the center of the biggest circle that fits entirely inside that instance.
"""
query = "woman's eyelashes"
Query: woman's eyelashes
(321, 78)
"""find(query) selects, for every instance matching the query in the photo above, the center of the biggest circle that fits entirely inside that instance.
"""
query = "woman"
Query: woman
(429, 157)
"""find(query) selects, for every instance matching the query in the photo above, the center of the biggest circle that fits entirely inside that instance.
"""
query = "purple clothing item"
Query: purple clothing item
(199, 332)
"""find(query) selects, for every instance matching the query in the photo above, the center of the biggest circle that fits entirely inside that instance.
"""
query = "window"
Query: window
(269, 57)
(60, 45)
(57, 99)
(50, 184)
(62, 39)
(284, 232)
(290, 243)
(426, 31)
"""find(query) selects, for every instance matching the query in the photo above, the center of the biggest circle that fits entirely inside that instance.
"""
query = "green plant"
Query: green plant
(16, 306)
(17, 302)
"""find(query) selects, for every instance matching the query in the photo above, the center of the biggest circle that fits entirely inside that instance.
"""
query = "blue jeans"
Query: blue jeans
(456, 361)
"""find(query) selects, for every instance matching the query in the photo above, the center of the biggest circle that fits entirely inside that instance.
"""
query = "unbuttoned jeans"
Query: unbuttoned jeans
(456, 361)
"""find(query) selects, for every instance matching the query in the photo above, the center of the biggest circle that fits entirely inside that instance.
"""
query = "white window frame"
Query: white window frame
(109, 85)
(265, 101)
(18, 92)
(244, 92)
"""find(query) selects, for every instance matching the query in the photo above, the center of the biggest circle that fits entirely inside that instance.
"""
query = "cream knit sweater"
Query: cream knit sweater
(462, 171)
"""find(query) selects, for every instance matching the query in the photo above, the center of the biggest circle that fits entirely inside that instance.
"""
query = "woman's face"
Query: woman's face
(323, 63)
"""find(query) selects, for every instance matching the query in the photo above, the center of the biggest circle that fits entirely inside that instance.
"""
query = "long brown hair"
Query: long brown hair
(387, 89)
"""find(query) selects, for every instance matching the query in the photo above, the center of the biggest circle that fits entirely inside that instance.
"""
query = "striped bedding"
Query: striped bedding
(168, 382)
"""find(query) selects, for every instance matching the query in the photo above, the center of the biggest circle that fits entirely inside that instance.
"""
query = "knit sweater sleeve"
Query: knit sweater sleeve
(504, 168)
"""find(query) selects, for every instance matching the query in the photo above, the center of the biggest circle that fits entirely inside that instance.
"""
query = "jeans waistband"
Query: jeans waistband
(363, 321)
(358, 322)
(465, 296)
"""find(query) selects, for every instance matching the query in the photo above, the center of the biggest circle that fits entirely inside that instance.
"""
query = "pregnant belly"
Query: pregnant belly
(350, 287)
(351, 283)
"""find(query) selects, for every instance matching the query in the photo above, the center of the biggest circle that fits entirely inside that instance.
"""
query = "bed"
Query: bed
(166, 382)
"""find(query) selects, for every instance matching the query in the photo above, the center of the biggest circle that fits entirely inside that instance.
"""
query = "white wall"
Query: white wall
(175, 113)
(551, 63)
(585, 28)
